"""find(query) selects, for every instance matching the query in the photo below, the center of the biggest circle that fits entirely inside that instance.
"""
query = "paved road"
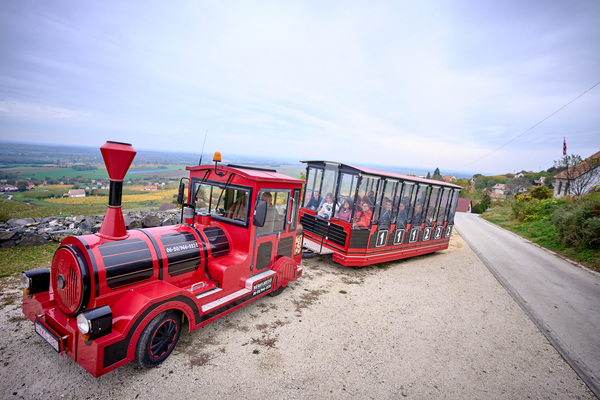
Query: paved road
(562, 299)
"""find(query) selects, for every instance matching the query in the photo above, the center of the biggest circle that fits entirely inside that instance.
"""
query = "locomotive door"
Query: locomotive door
(269, 238)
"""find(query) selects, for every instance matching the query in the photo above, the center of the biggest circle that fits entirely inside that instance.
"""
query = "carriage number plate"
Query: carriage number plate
(48, 336)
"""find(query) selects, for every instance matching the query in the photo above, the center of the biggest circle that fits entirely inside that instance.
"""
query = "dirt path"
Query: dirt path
(436, 326)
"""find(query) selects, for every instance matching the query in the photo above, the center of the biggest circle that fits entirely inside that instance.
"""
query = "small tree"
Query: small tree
(22, 186)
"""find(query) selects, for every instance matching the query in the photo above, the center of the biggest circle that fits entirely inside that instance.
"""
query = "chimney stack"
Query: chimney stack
(117, 157)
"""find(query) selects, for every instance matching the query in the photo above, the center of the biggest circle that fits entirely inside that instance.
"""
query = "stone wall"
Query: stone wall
(38, 231)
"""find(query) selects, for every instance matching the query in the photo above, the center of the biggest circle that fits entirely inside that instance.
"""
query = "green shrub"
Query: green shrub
(526, 208)
(579, 225)
(540, 193)
(478, 208)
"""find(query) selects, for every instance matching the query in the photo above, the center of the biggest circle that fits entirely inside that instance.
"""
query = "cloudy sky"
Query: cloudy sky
(408, 83)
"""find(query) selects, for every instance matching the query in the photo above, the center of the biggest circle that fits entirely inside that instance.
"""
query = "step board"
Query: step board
(233, 296)
(316, 247)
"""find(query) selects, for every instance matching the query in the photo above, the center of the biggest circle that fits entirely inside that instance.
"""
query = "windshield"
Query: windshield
(221, 200)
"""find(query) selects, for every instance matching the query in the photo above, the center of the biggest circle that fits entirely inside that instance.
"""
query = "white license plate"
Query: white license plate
(48, 336)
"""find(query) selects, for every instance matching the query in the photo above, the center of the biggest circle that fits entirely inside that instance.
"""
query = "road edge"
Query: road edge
(579, 367)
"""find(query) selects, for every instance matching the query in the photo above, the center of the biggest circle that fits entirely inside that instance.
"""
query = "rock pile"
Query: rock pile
(38, 231)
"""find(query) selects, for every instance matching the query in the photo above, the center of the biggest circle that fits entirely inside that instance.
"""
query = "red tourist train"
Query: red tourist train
(118, 295)
(363, 216)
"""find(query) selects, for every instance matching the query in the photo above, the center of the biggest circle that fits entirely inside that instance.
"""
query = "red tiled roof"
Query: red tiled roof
(463, 205)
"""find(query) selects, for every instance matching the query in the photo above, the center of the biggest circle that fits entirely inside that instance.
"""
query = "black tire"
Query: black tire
(277, 291)
(158, 339)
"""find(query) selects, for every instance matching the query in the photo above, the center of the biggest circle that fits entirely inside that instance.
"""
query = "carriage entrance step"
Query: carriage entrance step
(316, 247)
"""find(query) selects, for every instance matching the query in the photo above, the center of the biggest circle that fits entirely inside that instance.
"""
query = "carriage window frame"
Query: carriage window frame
(330, 174)
(220, 198)
(341, 195)
(368, 181)
(419, 198)
(314, 175)
(431, 212)
(264, 230)
(443, 207)
(452, 208)
(390, 195)
(402, 196)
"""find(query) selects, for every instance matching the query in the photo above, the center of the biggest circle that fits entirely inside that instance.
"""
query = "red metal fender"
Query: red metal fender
(286, 271)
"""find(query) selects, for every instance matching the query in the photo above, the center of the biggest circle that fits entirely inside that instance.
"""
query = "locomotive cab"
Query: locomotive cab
(121, 295)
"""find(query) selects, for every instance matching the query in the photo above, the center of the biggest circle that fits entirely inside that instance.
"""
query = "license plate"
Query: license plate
(48, 336)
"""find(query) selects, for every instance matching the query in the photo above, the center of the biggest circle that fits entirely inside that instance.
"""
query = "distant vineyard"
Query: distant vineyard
(128, 198)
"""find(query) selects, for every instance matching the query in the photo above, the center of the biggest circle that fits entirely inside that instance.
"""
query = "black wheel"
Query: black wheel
(158, 339)
(277, 291)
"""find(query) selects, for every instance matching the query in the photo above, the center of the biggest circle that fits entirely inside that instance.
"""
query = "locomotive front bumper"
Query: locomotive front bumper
(62, 334)
(51, 324)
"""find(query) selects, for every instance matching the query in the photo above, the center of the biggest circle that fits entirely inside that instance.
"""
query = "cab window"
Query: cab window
(226, 202)
(277, 211)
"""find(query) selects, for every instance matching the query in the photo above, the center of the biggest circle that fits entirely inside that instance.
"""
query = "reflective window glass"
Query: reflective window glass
(452, 210)
(419, 203)
(221, 200)
(312, 196)
(277, 207)
(432, 205)
(443, 207)
(367, 193)
(326, 207)
(345, 201)
(404, 204)
(387, 214)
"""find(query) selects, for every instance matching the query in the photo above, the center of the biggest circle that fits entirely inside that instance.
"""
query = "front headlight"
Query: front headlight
(35, 281)
(25, 281)
(95, 323)
(83, 324)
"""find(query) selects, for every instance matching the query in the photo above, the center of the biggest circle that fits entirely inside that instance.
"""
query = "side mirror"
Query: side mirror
(181, 193)
(260, 213)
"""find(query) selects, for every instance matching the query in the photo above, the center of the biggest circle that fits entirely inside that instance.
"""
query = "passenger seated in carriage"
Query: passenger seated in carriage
(385, 219)
(326, 208)
(363, 217)
(402, 214)
(314, 201)
(345, 212)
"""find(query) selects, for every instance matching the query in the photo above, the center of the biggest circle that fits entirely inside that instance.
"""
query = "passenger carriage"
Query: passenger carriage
(363, 216)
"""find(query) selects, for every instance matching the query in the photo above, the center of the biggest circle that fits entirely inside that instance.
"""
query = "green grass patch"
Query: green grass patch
(542, 231)
(17, 259)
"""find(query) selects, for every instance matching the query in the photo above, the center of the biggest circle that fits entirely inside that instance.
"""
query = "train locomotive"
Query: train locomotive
(122, 295)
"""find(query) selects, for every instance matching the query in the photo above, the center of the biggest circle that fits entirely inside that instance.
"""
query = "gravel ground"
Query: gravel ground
(435, 326)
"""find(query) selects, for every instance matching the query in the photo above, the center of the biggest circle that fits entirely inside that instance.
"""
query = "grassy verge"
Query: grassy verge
(17, 259)
(542, 231)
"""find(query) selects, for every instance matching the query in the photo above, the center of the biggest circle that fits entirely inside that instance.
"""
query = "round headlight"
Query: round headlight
(83, 324)
(25, 281)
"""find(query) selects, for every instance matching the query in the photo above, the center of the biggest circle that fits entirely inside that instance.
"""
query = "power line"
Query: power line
(524, 132)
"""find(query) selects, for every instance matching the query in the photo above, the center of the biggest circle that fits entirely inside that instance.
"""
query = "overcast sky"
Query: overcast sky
(407, 83)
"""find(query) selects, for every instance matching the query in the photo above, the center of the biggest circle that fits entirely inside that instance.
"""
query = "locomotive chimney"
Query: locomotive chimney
(117, 157)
